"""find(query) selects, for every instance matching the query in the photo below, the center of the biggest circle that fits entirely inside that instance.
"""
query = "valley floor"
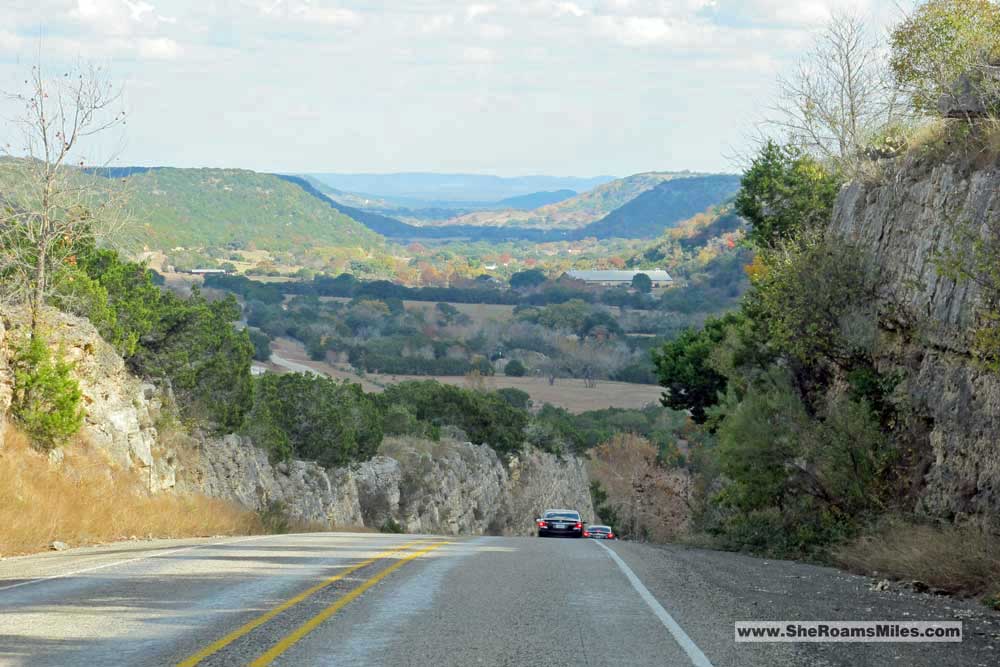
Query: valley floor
(572, 394)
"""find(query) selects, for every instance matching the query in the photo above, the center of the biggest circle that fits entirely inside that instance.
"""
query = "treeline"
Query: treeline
(537, 293)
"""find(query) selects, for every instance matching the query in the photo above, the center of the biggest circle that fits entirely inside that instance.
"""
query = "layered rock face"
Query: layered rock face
(120, 410)
(461, 488)
(449, 487)
(925, 322)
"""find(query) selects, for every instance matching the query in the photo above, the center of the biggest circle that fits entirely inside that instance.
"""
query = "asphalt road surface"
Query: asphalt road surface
(367, 599)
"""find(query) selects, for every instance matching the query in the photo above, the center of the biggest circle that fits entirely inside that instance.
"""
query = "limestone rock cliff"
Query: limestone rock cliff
(449, 487)
(906, 222)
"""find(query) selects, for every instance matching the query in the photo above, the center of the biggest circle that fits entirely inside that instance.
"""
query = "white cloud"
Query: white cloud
(478, 55)
(569, 9)
(472, 12)
(436, 23)
(308, 12)
(538, 64)
(139, 9)
(635, 30)
(160, 48)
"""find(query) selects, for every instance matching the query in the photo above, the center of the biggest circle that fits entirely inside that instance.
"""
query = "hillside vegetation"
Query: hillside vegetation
(667, 204)
(238, 208)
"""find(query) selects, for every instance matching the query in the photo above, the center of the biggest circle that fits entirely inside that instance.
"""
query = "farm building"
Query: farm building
(659, 277)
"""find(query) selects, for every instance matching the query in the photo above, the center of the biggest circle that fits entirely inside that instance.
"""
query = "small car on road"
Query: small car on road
(598, 532)
(564, 523)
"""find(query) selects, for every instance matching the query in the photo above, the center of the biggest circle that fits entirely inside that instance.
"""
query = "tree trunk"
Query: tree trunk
(38, 299)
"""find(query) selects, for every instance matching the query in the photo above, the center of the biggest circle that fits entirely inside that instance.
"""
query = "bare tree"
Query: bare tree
(648, 498)
(50, 205)
(840, 96)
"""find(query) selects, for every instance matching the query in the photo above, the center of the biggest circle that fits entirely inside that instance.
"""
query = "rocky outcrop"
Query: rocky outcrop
(925, 322)
(461, 488)
(232, 468)
(120, 410)
(448, 487)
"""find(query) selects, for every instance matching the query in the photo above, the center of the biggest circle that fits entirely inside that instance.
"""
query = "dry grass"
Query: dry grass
(975, 145)
(404, 447)
(84, 501)
(961, 560)
(572, 394)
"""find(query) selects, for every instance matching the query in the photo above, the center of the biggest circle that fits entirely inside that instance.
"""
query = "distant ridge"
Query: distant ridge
(536, 200)
(670, 202)
(476, 188)
(647, 216)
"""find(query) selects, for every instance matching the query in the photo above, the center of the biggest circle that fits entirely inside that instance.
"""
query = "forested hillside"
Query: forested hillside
(235, 207)
(653, 211)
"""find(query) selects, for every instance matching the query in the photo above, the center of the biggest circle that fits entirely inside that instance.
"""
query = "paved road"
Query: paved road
(364, 599)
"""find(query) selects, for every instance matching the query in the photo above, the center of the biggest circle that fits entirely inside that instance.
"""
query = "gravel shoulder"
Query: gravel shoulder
(707, 591)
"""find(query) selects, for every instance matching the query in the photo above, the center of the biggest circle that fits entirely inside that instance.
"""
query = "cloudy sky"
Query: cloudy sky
(581, 87)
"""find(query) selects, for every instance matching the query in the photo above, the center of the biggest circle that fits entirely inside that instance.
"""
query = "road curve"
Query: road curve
(368, 599)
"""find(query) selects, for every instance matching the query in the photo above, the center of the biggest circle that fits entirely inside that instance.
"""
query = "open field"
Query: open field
(571, 394)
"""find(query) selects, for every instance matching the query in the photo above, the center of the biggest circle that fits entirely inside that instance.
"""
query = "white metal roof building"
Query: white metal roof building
(659, 277)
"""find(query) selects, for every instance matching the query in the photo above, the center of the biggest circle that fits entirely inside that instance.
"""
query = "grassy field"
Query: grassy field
(571, 394)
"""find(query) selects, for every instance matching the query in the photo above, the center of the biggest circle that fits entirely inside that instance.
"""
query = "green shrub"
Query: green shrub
(486, 417)
(195, 345)
(942, 41)
(192, 343)
(261, 345)
(812, 298)
(516, 397)
(390, 525)
(784, 192)
(514, 369)
(400, 420)
(313, 418)
(684, 368)
(796, 481)
(47, 399)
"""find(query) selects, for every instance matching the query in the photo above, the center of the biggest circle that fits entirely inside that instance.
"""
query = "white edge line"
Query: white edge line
(65, 575)
(697, 657)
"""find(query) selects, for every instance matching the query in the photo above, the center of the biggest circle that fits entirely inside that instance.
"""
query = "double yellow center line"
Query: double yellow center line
(314, 622)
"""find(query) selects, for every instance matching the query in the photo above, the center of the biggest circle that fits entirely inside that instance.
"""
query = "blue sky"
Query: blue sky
(579, 87)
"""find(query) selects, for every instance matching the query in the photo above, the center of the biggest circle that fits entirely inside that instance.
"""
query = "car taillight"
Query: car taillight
(541, 524)
(611, 536)
(586, 534)
(579, 524)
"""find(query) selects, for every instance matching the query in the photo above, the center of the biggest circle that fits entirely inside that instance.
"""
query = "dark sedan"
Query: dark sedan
(599, 533)
(564, 523)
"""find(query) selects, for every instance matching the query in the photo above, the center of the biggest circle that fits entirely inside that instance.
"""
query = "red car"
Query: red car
(600, 533)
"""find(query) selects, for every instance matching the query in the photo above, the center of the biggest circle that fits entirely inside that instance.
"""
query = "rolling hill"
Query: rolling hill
(217, 207)
(574, 212)
(647, 216)
(658, 209)
(535, 200)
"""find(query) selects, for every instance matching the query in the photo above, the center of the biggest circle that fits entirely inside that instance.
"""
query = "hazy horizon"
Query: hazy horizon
(530, 88)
